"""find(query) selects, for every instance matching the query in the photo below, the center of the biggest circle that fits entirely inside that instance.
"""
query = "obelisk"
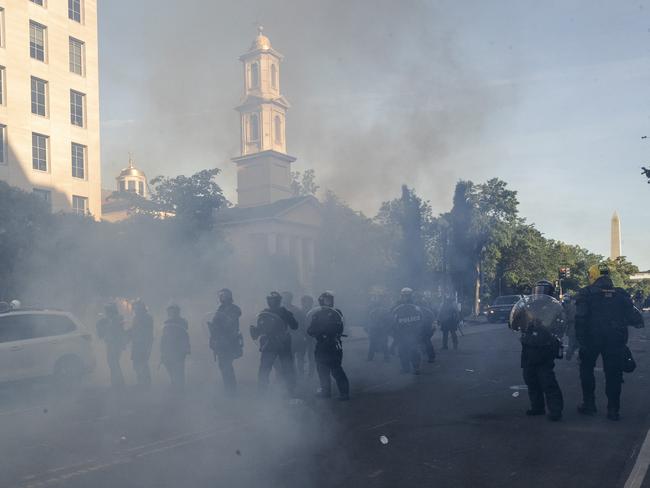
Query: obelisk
(616, 237)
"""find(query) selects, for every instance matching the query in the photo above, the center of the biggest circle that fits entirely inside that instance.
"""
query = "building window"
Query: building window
(39, 96)
(122, 185)
(3, 144)
(78, 161)
(254, 128)
(37, 34)
(2, 85)
(141, 188)
(39, 152)
(74, 10)
(76, 56)
(255, 75)
(278, 129)
(131, 186)
(44, 195)
(274, 76)
(79, 205)
(77, 102)
(38, 2)
(2, 27)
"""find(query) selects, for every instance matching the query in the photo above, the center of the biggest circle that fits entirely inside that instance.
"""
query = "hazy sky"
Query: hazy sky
(549, 96)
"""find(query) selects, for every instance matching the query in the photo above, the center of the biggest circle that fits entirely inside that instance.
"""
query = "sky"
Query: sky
(551, 97)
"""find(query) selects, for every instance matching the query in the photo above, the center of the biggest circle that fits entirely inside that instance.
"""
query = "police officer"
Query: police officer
(428, 329)
(226, 341)
(378, 327)
(175, 347)
(448, 319)
(603, 313)
(298, 336)
(272, 327)
(326, 326)
(141, 336)
(540, 340)
(306, 304)
(407, 320)
(110, 329)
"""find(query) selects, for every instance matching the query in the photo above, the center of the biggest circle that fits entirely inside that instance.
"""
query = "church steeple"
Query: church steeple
(264, 174)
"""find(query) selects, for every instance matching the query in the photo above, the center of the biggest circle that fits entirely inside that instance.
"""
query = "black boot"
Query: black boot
(535, 411)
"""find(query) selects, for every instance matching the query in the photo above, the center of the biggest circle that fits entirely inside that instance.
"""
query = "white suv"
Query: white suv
(41, 343)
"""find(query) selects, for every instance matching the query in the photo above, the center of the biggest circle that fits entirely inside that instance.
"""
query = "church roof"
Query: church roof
(261, 212)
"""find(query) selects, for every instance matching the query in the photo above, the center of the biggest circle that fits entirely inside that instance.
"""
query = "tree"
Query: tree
(411, 217)
(304, 184)
(481, 220)
(192, 200)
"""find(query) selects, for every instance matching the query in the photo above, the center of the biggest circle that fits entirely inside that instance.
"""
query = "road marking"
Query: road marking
(382, 424)
(640, 469)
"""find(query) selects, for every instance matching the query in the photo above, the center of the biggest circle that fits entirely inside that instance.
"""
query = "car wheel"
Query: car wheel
(68, 371)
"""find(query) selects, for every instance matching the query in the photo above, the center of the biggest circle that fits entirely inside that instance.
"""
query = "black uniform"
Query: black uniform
(378, 329)
(226, 342)
(448, 319)
(299, 338)
(426, 333)
(538, 352)
(603, 314)
(326, 326)
(408, 319)
(275, 342)
(174, 349)
(110, 329)
(141, 335)
(310, 342)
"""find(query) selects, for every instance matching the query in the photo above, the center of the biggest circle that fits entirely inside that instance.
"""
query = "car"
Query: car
(500, 309)
(42, 343)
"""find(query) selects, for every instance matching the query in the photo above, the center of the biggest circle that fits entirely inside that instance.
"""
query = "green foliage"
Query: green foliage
(192, 200)
(409, 219)
(304, 184)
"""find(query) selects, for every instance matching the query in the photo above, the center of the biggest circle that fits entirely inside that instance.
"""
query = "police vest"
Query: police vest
(408, 316)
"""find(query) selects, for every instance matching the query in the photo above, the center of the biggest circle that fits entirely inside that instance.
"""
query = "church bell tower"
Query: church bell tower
(264, 167)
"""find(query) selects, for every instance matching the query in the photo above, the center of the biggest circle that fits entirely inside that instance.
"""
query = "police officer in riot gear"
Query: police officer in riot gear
(603, 313)
(110, 329)
(272, 329)
(226, 341)
(298, 336)
(448, 319)
(306, 304)
(426, 334)
(378, 328)
(541, 320)
(407, 320)
(141, 336)
(326, 326)
(175, 347)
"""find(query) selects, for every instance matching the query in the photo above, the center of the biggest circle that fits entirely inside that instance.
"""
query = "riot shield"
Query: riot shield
(540, 312)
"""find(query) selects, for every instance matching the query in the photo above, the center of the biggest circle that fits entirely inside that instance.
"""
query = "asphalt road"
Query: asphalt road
(459, 424)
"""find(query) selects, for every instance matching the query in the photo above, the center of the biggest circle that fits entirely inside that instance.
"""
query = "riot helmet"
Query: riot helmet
(225, 296)
(596, 271)
(326, 299)
(15, 304)
(406, 295)
(274, 299)
(173, 310)
(544, 287)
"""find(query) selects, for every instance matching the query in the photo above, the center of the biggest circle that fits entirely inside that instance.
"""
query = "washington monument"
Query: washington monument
(616, 237)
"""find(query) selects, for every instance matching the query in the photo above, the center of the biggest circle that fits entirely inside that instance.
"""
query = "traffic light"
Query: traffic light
(565, 272)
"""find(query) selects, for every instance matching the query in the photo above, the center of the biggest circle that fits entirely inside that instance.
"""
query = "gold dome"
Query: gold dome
(131, 171)
(261, 42)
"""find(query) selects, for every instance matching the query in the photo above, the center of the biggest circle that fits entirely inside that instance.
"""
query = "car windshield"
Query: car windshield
(507, 300)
